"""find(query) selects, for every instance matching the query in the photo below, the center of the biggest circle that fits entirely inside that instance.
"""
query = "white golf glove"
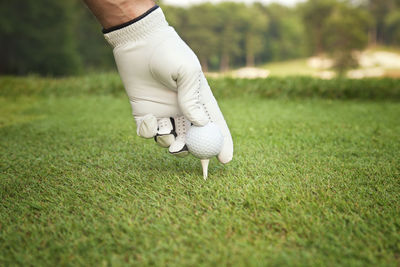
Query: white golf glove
(163, 79)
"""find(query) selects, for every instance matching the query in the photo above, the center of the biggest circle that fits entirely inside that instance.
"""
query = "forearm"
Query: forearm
(115, 12)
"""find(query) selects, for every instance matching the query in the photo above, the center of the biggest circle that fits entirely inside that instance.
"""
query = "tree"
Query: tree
(201, 36)
(379, 9)
(286, 36)
(228, 30)
(93, 49)
(38, 38)
(392, 25)
(315, 14)
(255, 25)
(345, 31)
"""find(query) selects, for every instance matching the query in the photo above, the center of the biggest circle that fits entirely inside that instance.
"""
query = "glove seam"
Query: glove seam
(202, 105)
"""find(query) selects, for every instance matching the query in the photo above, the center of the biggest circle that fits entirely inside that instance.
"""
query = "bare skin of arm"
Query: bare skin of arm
(116, 12)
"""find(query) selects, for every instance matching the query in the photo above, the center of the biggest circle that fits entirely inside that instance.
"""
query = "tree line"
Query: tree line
(63, 38)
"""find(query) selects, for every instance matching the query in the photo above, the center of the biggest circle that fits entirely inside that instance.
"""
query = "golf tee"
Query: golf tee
(204, 164)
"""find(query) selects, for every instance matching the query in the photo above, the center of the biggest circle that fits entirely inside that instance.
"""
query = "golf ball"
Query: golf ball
(204, 142)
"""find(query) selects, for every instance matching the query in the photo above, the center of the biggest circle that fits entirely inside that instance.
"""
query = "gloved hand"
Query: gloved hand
(163, 79)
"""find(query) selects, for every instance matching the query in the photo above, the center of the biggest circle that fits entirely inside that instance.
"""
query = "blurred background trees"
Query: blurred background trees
(345, 31)
(255, 24)
(285, 37)
(38, 37)
(63, 38)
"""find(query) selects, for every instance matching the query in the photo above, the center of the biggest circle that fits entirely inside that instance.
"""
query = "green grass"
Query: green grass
(313, 182)
(274, 87)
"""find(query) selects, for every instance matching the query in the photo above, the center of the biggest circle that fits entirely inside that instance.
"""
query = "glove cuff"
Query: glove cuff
(136, 29)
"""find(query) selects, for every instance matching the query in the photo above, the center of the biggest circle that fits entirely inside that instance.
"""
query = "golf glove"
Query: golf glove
(163, 79)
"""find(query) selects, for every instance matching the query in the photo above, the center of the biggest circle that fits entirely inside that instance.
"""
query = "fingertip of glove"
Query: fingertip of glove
(148, 126)
(226, 154)
(224, 160)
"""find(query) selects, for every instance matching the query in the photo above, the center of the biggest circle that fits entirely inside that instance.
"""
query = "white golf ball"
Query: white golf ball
(204, 142)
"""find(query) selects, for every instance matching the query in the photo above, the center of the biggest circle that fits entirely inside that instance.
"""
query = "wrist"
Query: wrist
(110, 13)
(131, 21)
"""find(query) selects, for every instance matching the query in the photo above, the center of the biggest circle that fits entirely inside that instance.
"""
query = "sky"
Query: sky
(188, 2)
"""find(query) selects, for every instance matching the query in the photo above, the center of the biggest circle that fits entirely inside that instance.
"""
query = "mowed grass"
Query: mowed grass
(313, 182)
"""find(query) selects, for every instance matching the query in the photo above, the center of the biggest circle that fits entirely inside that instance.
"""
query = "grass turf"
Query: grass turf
(313, 182)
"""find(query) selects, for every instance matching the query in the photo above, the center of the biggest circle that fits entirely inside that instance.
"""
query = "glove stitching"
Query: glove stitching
(198, 97)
